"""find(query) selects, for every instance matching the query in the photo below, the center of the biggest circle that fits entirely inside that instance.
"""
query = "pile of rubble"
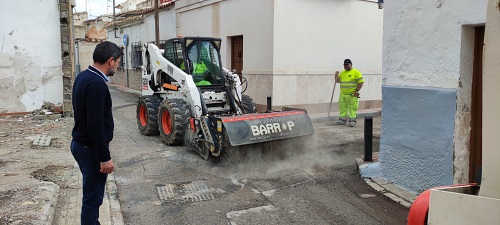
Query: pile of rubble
(48, 109)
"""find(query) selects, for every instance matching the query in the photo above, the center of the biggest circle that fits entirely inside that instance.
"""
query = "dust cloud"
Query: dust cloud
(273, 160)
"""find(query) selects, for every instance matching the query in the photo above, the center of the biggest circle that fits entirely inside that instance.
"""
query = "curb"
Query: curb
(50, 208)
(115, 210)
(125, 89)
(389, 189)
(323, 117)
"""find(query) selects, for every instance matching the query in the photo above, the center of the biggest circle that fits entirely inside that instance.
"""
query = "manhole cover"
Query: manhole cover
(185, 192)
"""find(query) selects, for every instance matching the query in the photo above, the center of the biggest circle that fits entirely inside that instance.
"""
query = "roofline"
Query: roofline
(136, 15)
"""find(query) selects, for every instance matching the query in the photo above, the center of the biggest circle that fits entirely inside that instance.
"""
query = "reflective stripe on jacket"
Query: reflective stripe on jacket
(349, 80)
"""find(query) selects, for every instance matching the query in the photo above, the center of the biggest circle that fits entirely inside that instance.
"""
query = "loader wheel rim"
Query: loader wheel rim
(143, 117)
(166, 122)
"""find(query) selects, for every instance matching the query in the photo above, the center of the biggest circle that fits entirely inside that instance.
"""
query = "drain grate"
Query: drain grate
(185, 192)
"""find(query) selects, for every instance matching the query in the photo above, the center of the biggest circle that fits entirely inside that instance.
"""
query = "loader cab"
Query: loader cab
(197, 56)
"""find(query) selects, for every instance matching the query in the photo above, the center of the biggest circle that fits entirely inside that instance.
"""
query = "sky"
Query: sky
(96, 8)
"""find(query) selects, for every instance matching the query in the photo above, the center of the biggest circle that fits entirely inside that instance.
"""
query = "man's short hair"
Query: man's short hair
(105, 50)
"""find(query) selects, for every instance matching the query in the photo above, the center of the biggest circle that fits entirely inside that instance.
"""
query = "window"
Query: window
(203, 56)
(136, 58)
(173, 52)
(121, 66)
(169, 52)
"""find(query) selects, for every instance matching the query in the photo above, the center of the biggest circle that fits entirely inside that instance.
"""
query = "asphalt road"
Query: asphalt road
(317, 184)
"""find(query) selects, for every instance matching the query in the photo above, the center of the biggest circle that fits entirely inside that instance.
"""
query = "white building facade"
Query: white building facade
(290, 49)
(138, 30)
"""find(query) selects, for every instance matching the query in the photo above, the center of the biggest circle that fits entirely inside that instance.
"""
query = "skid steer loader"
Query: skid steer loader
(189, 98)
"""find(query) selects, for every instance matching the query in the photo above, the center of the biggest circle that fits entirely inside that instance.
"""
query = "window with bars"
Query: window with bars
(121, 66)
(136, 55)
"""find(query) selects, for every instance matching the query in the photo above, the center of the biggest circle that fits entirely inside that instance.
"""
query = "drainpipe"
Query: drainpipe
(75, 47)
(77, 57)
(114, 23)
(126, 62)
(157, 24)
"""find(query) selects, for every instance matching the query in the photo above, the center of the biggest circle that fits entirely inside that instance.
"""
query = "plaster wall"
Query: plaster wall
(422, 40)
(291, 48)
(417, 139)
(428, 46)
(463, 113)
(140, 31)
(167, 25)
(86, 49)
(79, 26)
(311, 40)
(144, 30)
(30, 72)
(130, 5)
(225, 19)
(490, 186)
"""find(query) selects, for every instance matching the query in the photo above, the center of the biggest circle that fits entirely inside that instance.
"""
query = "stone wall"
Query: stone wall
(134, 78)
(67, 54)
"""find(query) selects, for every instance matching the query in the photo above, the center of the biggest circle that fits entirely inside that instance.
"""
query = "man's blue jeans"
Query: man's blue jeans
(93, 182)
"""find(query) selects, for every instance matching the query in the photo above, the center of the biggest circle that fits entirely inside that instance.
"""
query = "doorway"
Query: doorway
(475, 160)
(237, 54)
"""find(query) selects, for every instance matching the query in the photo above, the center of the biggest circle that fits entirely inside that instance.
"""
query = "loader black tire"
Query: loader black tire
(248, 104)
(173, 120)
(147, 114)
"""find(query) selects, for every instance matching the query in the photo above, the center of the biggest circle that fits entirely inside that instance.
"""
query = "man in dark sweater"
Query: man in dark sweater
(94, 127)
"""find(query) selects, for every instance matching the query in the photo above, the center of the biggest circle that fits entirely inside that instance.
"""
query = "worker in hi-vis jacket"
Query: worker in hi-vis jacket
(351, 81)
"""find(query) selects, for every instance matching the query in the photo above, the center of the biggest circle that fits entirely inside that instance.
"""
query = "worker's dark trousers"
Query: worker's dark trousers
(93, 183)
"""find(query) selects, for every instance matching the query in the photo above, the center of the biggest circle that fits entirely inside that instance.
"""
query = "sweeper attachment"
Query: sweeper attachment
(189, 98)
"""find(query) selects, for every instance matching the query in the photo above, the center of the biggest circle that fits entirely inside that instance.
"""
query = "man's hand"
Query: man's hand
(107, 167)
(337, 73)
(356, 93)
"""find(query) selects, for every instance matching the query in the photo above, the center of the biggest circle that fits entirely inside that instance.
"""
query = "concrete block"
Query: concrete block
(65, 38)
(380, 181)
(404, 194)
(47, 117)
(64, 14)
(375, 186)
(65, 47)
(68, 113)
(359, 162)
(42, 140)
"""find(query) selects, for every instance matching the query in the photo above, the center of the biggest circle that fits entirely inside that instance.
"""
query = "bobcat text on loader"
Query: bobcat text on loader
(189, 98)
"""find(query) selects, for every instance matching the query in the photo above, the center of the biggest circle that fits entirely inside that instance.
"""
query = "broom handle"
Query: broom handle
(331, 99)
